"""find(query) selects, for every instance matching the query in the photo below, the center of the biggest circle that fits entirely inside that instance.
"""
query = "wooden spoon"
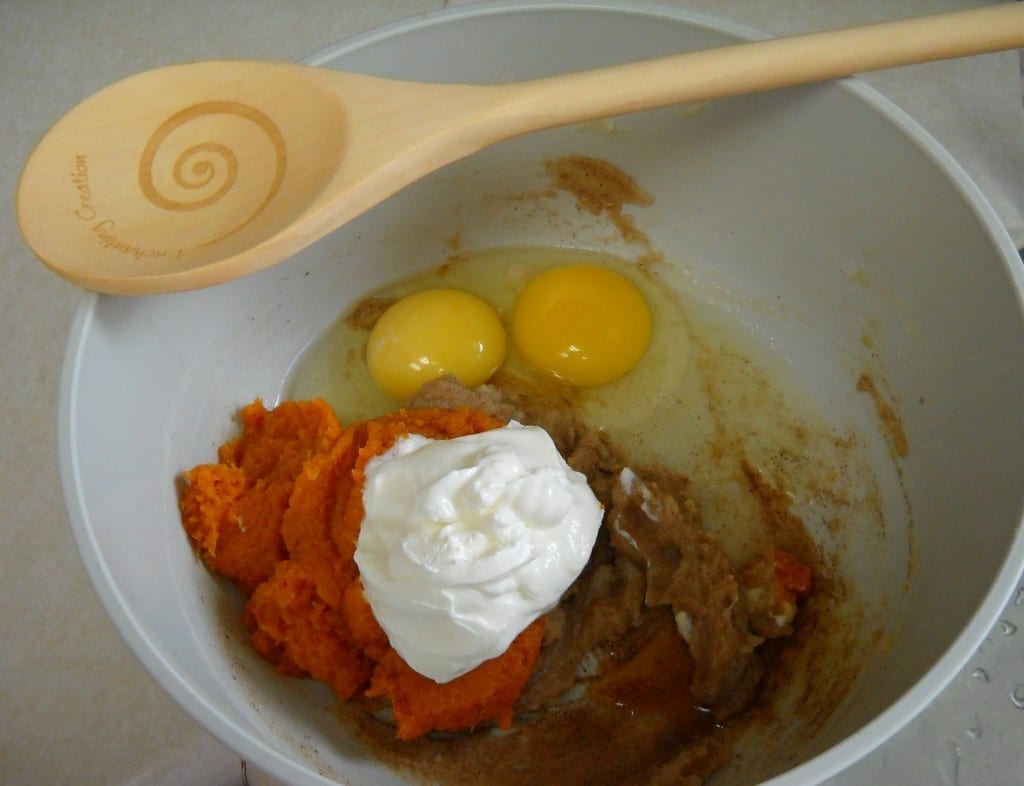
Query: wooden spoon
(196, 174)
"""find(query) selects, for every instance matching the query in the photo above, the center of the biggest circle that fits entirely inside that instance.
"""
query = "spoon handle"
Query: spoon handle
(764, 65)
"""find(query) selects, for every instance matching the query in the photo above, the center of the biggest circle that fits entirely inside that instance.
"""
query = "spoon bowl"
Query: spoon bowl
(191, 175)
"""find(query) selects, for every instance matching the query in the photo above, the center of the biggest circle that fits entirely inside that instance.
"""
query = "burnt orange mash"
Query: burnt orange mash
(279, 515)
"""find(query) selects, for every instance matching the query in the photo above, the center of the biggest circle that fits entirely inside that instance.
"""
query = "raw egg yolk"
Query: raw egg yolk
(432, 333)
(583, 324)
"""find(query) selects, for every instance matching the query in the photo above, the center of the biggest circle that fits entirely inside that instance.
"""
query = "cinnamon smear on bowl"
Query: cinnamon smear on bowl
(600, 188)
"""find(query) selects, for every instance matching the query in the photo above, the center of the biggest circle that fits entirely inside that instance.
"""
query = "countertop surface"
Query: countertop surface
(76, 708)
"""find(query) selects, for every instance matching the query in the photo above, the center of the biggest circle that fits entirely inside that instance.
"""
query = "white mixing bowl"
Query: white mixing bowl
(807, 214)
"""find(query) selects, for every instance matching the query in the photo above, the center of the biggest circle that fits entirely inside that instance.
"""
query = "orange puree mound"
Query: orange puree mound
(233, 510)
(280, 516)
(487, 693)
(300, 634)
(276, 443)
(366, 631)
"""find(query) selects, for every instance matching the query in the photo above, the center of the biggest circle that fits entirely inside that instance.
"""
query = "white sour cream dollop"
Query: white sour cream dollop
(467, 541)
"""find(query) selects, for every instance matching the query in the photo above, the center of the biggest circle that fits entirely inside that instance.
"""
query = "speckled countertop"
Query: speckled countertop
(75, 706)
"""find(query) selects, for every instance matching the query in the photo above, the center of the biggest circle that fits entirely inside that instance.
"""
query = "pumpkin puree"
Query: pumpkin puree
(279, 515)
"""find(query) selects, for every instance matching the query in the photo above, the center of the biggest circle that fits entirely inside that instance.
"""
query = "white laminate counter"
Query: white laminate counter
(75, 706)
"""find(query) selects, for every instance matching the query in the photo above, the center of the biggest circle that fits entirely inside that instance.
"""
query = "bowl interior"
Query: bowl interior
(819, 219)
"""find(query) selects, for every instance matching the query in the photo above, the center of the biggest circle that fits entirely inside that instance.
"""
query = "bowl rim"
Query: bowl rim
(824, 765)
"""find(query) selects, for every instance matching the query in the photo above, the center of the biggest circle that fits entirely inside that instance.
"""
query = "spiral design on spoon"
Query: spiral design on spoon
(178, 173)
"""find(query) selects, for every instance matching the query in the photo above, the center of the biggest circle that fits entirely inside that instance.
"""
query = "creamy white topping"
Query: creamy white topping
(467, 541)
